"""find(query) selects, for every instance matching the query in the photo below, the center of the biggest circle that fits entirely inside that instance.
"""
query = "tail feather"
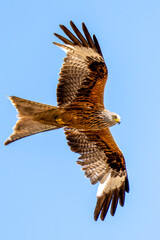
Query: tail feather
(31, 119)
(27, 107)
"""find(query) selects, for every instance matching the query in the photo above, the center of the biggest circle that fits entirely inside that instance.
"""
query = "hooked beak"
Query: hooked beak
(118, 120)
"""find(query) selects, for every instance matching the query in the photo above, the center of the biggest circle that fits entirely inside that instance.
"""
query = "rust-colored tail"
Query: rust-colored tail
(33, 118)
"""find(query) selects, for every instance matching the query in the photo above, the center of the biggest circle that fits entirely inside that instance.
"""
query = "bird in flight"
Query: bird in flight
(81, 113)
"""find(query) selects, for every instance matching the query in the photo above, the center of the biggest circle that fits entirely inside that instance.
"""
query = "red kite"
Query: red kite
(81, 113)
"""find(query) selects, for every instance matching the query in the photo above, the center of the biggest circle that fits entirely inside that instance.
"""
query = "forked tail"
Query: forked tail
(33, 118)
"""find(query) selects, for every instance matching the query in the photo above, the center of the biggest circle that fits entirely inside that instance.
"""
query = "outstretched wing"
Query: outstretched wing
(102, 160)
(84, 73)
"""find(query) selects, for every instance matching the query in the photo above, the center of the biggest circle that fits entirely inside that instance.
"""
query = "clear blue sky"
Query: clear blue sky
(43, 193)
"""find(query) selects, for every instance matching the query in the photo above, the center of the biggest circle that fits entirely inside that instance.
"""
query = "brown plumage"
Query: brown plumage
(81, 112)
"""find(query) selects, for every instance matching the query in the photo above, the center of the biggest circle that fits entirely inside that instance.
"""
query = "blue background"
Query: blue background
(43, 193)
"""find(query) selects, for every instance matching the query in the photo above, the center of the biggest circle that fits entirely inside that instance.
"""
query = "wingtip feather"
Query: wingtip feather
(114, 202)
(106, 205)
(127, 185)
(99, 205)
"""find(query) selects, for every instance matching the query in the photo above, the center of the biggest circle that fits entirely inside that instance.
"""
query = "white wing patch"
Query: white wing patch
(80, 52)
(109, 183)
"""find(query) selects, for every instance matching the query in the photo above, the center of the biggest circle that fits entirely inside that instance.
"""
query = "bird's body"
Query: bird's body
(81, 113)
(84, 118)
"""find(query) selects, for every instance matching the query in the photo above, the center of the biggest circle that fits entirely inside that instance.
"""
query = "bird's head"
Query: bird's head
(111, 118)
(116, 118)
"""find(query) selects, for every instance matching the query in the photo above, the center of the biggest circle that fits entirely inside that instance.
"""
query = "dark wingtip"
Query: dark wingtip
(97, 45)
(88, 36)
(114, 202)
(122, 196)
(99, 205)
(70, 35)
(106, 205)
(81, 40)
(127, 185)
(102, 206)
(63, 39)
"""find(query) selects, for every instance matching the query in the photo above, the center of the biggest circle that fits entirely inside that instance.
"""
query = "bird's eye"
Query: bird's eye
(114, 117)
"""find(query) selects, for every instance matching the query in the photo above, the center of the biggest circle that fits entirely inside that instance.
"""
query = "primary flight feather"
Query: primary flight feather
(81, 113)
